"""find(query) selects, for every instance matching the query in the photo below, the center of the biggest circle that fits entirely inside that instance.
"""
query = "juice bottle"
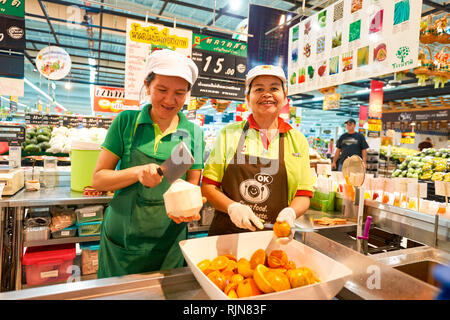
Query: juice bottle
(375, 196)
(397, 200)
(386, 197)
(412, 203)
(442, 209)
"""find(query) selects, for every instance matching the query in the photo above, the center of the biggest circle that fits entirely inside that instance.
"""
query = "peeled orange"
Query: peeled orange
(282, 229)
(260, 280)
(247, 288)
(219, 263)
(277, 259)
(244, 268)
(258, 257)
(218, 279)
(277, 280)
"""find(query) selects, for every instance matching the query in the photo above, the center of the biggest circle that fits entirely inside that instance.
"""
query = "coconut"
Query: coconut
(183, 199)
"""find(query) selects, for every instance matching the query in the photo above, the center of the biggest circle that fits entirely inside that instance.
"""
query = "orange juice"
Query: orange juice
(386, 198)
(441, 210)
(412, 204)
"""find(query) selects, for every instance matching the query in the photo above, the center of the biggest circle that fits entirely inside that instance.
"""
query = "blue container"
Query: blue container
(442, 275)
(65, 233)
(89, 229)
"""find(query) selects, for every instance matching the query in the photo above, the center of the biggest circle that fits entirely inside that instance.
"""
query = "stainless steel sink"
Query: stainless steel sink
(422, 270)
(417, 262)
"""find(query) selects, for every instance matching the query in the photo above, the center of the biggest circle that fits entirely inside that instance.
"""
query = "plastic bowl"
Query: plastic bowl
(331, 273)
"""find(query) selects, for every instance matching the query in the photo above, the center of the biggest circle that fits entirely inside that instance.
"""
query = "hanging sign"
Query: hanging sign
(408, 138)
(331, 101)
(141, 40)
(219, 58)
(12, 33)
(376, 99)
(13, 8)
(219, 89)
(219, 45)
(352, 40)
(53, 62)
(111, 99)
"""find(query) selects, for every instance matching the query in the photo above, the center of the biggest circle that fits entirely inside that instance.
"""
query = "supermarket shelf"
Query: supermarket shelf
(60, 241)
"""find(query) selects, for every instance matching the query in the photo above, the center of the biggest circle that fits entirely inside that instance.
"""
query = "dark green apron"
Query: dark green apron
(137, 235)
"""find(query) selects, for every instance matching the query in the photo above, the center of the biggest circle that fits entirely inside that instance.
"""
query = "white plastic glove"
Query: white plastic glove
(243, 217)
(287, 215)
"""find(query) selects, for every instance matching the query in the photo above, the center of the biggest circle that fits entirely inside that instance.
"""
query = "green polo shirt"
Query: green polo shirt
(296, 155)
(119, 137)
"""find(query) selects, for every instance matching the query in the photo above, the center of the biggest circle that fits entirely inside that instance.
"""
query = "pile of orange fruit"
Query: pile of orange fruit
(261, 274)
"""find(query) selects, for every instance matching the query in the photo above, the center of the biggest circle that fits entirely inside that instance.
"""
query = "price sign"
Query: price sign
(71, 121)
(33, 118)
(104, 123)
(54, 120)
(89, 122)
(10, 133)
(217, 65)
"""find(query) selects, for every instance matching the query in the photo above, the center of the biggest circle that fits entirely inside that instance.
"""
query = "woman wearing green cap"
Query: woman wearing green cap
(137, 234)
(259, 168)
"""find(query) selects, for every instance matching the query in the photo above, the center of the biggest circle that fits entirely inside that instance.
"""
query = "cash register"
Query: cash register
(12, 175)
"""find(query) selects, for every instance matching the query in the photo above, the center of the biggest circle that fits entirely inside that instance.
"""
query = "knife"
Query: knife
(177, 164)
(302, 224)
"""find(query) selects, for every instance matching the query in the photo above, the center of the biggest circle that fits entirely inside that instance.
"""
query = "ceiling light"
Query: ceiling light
(282, 20)
(68, 85)
(43, 93)
(235, 4)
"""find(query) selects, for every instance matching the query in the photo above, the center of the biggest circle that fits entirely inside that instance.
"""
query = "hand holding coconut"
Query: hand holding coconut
(183, 201)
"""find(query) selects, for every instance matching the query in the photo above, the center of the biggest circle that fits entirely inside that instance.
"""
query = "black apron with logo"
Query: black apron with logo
(255, 182)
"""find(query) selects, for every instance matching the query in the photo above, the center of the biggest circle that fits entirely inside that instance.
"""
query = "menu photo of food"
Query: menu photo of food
(351, 40)
(356, 5)
(380, 53)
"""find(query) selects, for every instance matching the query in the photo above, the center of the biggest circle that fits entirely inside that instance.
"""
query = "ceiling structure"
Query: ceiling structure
(93, 33)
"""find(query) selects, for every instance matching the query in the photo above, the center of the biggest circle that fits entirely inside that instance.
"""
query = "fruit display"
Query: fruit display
(37, 139)
(58, 140)
(62, 137)
(398, 154)
(263, 273)
(429, 164)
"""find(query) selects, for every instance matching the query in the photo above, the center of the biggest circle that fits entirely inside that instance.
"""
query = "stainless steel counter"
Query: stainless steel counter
(49, 197)
(432, 230)
(371, 280)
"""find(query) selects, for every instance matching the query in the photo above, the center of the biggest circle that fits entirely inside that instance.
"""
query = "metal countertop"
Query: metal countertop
(47, 197)
(180, 283)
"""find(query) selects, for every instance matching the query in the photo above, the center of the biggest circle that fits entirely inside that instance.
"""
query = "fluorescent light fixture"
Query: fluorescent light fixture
(43, 93)
(282, 19)
(235, 4)
(18, 103)
(91, 94)
(363, 91)
(318, 99)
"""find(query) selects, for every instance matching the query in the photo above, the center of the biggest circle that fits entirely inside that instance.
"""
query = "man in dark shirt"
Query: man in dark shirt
(349, 144)
(425, 144)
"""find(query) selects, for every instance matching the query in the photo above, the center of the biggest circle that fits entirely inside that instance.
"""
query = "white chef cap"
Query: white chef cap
(171, 63)
(265, 70)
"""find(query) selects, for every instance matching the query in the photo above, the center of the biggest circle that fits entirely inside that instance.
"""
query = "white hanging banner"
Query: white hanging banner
(353, 40)
(142, 39)
(53, 62)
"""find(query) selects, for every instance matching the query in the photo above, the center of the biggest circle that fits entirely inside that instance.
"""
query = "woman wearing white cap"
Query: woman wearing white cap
(137, 234)
(259, 168)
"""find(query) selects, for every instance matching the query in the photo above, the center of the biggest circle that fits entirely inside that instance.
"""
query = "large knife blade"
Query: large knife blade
(177, 164)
